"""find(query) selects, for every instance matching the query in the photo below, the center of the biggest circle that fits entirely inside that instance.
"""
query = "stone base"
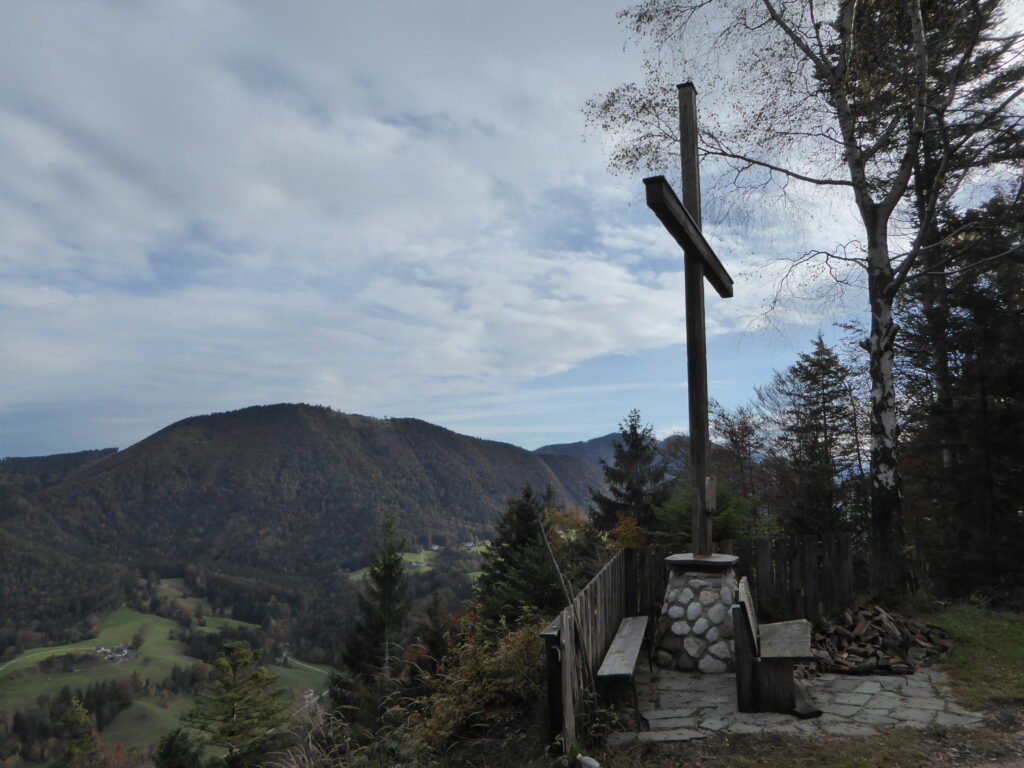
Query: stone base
(695, 630)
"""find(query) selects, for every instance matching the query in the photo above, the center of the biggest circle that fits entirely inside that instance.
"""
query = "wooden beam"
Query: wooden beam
(688, 157)
(666, 206)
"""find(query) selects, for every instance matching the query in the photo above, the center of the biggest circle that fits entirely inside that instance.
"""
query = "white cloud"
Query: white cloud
(209, 205)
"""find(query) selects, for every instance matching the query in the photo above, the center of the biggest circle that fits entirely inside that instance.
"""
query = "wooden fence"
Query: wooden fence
(792, 577)
(631, 584)
(797, 577)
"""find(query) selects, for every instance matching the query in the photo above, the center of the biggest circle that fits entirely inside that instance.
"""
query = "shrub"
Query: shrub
(484, 688)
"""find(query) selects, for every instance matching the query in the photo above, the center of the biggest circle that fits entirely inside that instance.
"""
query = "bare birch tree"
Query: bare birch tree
(841, 94)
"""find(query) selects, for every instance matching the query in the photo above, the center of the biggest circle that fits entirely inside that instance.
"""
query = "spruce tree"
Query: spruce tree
(239, 710)
(81, 749)
(636, 479)
(178, 749)
(814, 446)
(370, 644)
(517, 580)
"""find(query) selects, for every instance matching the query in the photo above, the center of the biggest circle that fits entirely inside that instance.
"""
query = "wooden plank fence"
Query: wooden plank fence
(797, 577)
(792, 577)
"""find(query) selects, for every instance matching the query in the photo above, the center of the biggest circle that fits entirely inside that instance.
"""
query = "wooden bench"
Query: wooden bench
(765, 654)
(622, 654)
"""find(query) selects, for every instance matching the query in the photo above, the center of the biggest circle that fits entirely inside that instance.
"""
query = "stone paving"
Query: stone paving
(680, 706)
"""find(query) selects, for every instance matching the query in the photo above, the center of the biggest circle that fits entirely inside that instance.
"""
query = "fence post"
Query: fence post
(553, 657)
(632, 602)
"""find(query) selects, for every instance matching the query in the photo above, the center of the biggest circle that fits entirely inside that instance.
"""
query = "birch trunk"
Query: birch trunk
(889, 572)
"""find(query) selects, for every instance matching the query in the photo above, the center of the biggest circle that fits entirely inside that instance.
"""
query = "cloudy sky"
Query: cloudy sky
(390, 209)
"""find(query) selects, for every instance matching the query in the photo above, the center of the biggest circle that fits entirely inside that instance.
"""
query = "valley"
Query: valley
(150, 656)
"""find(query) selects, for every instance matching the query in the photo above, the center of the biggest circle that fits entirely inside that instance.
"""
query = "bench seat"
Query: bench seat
(620, 660)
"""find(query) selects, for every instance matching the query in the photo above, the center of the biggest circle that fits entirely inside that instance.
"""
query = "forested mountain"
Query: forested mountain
(283, 493)
(590, 451)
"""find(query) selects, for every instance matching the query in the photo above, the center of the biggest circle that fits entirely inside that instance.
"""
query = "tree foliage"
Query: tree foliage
(518, 581)
(636, 478)
(964, 443)
(899, 103)
(816, 443)
(81, 749)
(796, 452)
(372, 642)
(178, 749)
(239, 710)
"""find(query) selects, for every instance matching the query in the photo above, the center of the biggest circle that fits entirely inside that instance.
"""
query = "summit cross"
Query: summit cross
(683, 221)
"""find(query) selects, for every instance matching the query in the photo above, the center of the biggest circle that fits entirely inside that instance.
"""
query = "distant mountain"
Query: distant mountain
(590, 451)
(287, 494)
(284, 489)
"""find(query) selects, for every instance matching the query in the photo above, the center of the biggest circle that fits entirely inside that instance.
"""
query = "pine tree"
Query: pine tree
(517, 580)
(814, 446)
(81, 749)
(178, 749)
(240, 711)
(371, 642)
(636, 479)
(963, 375)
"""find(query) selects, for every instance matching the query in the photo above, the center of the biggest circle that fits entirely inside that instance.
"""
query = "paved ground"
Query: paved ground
(680, 706)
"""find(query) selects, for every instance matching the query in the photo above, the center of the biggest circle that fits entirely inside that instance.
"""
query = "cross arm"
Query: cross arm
(666, 206)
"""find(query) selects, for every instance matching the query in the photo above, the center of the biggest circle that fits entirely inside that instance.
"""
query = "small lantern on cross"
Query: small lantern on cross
(683, 221)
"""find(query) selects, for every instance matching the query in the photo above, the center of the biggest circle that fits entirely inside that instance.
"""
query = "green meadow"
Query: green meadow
(148, 718)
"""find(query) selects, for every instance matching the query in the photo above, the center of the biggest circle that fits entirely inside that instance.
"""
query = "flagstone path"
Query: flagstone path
(679, 706)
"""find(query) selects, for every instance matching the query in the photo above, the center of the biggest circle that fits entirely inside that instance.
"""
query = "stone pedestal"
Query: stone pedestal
(695, 630)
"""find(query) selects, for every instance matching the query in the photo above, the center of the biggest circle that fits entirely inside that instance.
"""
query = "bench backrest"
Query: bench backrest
(747, 601)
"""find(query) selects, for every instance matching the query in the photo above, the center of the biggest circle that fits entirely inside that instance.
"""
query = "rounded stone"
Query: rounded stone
(694, 611)
(707, 597)
(685, 596)
(698, 583)
(721, 650)
(671, 595)
(676, 612)
(726, 629)
(712, 635)
(694, 646)
(685, 663)
(711, 665)
(726, 595)
(700, 626)
(716, 613)
(664, 659)
(680, 628)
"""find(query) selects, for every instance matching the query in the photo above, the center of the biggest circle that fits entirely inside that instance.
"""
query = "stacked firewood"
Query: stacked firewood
(873, 641)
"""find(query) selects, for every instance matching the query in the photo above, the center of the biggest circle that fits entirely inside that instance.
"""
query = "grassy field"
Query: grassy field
(174, 589)
(21, 681)
(149, 717)
(146, 721)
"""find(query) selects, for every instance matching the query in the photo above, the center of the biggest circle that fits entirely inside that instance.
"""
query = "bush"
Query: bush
(484, 688)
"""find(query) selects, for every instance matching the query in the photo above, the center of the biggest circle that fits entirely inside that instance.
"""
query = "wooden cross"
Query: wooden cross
(683, 222)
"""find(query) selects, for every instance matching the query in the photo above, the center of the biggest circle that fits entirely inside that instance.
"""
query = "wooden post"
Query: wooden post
(633, 605)
(553, 656)
(696, 353)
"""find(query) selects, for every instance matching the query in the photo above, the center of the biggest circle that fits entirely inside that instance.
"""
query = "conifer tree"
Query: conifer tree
(517, 578)
(636, 479)
(370, 645)
(239, 710)
(814, 448)
(81, 749)
(178, 749)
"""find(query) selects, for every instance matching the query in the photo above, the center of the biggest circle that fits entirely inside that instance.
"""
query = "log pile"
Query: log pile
(873, 641)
